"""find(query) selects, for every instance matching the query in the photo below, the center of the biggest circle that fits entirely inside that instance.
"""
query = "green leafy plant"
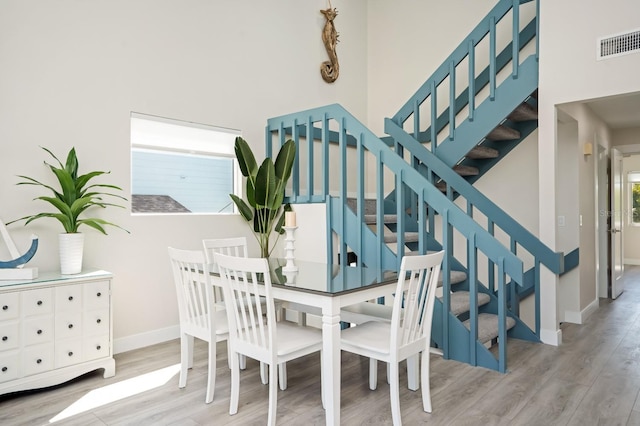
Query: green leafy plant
(265, 191)
(74, 196)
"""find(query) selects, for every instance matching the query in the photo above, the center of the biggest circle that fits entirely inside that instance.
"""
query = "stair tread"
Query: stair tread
(488, 326)
(409, 237)
(524, 112)
(503, 133)
(466, 170)
(371, 219)
(482, 152)
(460, 301)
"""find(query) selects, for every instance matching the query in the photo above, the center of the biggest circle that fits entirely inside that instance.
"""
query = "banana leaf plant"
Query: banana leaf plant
(73, 197)
(265, 191)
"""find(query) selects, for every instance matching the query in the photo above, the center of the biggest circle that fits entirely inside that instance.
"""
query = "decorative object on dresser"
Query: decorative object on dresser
(265, 191)
(74, 196)
(14, 269)
(54, 328)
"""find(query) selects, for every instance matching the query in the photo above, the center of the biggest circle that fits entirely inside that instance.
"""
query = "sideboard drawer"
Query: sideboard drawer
(68, 324)
(37, 302)
(95, 322)
(68, 352)
(38, 330)
(95, 347)
(9, 306)
(96, 295)
(69, 297)
(37, 359)
(9, 335)
(9, 366)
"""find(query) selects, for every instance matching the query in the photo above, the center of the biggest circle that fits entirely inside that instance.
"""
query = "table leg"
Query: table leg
(331, 365)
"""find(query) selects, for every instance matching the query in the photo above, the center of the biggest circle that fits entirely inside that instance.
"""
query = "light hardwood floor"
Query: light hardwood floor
(592, 379)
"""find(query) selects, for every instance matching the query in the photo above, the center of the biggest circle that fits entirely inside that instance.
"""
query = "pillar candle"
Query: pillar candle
(290, 219)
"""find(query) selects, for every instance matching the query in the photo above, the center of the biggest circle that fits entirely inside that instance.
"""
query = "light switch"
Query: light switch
(560, 220)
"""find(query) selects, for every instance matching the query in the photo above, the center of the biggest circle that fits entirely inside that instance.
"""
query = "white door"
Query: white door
(617, 265)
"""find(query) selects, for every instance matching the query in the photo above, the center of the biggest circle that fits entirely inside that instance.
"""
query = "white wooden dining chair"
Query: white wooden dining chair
(408, 333)
(200, 317)
(269, 341)
(236, 246)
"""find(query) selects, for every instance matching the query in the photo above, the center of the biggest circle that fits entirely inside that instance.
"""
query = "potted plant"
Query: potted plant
(73, 197)
(265, 191)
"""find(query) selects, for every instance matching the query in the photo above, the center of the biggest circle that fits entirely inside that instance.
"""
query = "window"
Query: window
(634, 189)
(182, 167)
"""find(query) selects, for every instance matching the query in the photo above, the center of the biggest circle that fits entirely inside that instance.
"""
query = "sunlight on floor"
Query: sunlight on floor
(117, 391)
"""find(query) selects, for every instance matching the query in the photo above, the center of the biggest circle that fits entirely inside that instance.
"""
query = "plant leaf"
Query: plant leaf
(266, 185)
(284, 160)
(244, 210)
(246, 159)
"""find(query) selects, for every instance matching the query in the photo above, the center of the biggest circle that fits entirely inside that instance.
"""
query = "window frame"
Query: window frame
(205, 148)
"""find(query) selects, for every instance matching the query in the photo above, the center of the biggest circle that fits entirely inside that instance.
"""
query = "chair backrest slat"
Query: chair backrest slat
(235, 246)
(414, 299)
(251, 318)
(193, 289)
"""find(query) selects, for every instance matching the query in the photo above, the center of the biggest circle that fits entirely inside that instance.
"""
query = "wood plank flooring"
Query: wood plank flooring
(592, 379)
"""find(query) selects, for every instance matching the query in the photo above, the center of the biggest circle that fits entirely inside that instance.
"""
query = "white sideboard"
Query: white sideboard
(54, 328)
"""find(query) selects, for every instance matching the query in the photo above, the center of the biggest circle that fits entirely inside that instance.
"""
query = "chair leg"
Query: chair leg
(373, 373)
(394, 392)
(264, 373)
(282, 369)
(243, 362)
(273, 394)
(211, 383)
(235, 384)
(413, 373)
(190, 340)
(426, 386)
(184, 360)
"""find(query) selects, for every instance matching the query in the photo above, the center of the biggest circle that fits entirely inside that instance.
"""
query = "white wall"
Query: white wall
(72, 72)
(569, 72)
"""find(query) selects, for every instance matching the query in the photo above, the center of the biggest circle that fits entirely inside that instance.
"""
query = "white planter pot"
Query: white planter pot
(71, 248)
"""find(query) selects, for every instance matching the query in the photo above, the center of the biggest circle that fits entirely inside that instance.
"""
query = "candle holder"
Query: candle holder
(289, 249)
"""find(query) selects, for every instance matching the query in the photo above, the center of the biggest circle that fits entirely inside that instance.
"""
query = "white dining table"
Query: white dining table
(329, 288)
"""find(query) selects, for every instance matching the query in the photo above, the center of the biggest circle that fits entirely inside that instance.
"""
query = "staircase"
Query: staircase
(412, 191)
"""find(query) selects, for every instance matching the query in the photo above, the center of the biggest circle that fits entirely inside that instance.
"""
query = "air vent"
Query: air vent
(618, 44)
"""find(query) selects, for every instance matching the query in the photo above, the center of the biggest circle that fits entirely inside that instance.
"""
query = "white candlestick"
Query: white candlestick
(289, 248)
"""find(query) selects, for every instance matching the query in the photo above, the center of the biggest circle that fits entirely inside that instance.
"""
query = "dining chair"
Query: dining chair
(408, 333)
(236, 246)
(200, 317)
(269, 341)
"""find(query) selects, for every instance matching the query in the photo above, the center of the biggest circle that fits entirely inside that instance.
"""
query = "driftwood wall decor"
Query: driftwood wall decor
(330, 69)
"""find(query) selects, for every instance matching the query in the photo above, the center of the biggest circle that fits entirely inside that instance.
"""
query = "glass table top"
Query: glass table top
(327, 278)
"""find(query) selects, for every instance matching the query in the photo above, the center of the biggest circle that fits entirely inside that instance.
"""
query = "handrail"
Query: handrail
(467, 49)
(551, 259)
(405, 175)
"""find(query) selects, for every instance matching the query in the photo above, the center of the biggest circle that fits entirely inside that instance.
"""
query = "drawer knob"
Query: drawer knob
(70, 326)
(39, 331)
(4, 369)
(98, 320)
(39, 361)
(70, 353)
(99, 294)
(98, 347)
(5, 338)
(5, 307)
(70, 298)
(39, 302)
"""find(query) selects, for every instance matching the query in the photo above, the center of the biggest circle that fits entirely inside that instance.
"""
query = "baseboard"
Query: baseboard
(137, 341)
(580, 317)
(551, 337)
(632, 261)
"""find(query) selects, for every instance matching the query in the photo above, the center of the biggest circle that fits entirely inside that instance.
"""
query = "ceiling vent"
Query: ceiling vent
(618, 44)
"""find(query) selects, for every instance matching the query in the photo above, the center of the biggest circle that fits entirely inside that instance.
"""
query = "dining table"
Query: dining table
(327, 288)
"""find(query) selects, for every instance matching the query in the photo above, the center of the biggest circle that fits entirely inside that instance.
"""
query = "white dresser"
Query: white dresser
(54, 328)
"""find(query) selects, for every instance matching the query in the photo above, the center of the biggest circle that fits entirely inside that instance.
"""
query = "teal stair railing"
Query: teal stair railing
(330, 173)
(433, 117)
